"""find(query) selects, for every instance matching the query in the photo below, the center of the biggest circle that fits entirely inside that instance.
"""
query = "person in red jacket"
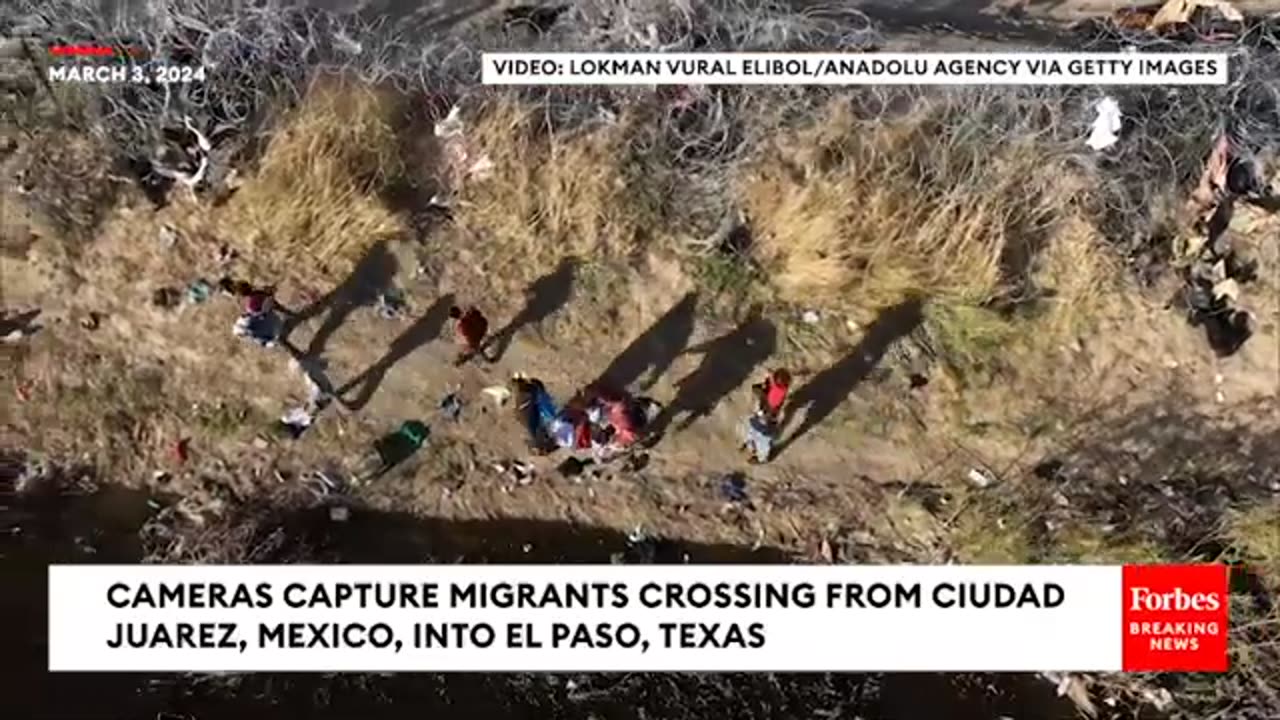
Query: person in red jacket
(471, 328)
(771, 394)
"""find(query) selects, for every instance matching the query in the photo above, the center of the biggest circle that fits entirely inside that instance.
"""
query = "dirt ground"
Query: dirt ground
(122, 394)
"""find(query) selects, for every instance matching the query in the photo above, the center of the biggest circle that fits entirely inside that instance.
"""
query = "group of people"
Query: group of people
(604, 420)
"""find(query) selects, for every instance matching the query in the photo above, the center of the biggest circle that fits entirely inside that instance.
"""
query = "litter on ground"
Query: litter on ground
(1106, 125)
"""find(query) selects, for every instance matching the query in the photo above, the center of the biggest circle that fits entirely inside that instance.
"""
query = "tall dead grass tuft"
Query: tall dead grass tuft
(859, 214)
(549, 196)
(318, 190)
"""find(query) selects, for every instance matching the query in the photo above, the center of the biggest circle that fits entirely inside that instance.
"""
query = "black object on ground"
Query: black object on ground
(734, 488)
(166, 298)
(573, 467)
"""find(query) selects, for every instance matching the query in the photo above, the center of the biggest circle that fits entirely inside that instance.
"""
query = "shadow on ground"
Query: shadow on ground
(425, 328)
(825, 391)
(651, 353)
(63, 527)
(542, 299)
(371, 276)
(727, 362)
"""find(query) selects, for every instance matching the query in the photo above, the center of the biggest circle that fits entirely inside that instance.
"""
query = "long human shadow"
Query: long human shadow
(542, 298)
(371, 275)
(651, 353)
(423, 330)
(727, 362)
(824, 392)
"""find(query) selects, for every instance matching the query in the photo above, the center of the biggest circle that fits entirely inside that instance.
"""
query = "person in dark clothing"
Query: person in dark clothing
(259, 317)
(471, 327)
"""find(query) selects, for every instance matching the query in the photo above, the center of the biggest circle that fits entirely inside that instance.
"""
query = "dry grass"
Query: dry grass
(317, 192)
(858, 215)
(1255, 533)
(548, 197)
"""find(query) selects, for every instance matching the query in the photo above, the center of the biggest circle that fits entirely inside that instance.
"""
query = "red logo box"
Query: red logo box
(1175, 618)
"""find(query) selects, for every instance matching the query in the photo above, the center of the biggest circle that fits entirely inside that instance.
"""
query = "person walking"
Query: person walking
(259, 320)
(761, 427)
(771, 393)
(471, 328)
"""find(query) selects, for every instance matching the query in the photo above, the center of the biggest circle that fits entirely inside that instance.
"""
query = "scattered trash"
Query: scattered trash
(451, 406)
(458, 154)
(19, 325)
(391, 304)
(390, 450)
(168, 236)
(573, 467)
(981, 478)
(1228, 290)
(811, 317)
(165, 298)
(23, 390)
(339, 513)
(296, 421)
(734, 488)
(1213, 278)
(198, 292)
(1106, 125)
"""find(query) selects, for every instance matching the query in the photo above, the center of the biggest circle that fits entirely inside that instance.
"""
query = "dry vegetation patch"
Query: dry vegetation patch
(549, 196)
(318, 190)
(858, 214)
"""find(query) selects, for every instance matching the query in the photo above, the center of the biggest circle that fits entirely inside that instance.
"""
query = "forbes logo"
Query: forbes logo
(1175, 618)
(1144, 599)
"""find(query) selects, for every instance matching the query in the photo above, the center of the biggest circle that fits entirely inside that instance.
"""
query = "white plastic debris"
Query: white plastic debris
(980, 477)
(1106, 125)
(811, 317)
(1228, 289)
(462, 165)
(298, 417)
(451, 125)
(339, 513)
(499, 393)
